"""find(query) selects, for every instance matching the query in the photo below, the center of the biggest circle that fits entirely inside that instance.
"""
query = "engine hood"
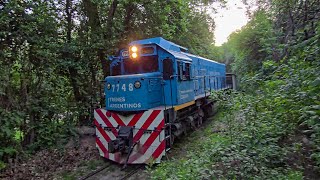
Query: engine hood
(123, 92)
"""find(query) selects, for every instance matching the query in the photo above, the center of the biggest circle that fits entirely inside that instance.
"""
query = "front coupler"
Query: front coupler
(123, 141)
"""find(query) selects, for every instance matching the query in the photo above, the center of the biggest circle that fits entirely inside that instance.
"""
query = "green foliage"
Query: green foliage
(52, 58)
(278, 68)
(272, 127)
(197, 163)
(9, 144)
(251, 45)
(198, 36)
(248, 147)
(2, 165)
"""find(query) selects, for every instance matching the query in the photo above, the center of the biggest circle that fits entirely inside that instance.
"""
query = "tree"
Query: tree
(53, 56)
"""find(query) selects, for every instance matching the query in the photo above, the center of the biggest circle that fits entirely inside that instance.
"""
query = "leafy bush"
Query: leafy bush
(9, 143)
(250, 147)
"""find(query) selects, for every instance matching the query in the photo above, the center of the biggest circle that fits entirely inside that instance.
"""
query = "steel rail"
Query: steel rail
(95, 172)
(131, 173)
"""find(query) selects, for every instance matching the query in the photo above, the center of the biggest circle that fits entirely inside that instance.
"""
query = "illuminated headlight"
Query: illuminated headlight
(134, 49)
(134, 55)
(108, 86)
(137, 84)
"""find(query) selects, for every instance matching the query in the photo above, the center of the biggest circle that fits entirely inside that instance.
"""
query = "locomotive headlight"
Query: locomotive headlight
(137, 84)
(134, 49)
(134, 55)
(108, 86)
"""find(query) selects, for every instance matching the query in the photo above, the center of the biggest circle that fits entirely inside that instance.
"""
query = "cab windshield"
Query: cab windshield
(143, 64)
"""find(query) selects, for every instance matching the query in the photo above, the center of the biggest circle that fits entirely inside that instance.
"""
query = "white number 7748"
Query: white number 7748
(123, 87)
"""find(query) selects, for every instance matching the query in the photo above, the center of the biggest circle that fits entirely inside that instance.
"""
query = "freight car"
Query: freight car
(157, 91)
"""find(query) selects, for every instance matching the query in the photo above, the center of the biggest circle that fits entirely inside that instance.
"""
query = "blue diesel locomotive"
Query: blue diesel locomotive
(157, 91)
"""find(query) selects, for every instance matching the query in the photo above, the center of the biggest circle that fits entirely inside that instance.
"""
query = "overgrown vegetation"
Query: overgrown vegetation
(53, 55)
(253, 137)
(271, 127)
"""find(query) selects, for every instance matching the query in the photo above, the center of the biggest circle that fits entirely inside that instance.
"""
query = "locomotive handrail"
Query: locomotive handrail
(159, 77)
(204, 84)
(133, 127)
(210, 76)
(171, 89)
(173, 76)
(196, 78)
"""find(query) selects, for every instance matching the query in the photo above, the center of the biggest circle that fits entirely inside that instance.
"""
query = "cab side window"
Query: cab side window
(186, 73)
(184, 70)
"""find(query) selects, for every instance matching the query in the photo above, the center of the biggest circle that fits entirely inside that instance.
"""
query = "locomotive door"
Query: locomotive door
(168, 86)
(168, 77)
(167, 69)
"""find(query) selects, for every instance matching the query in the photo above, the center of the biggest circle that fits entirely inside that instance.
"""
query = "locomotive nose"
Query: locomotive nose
(133, 92)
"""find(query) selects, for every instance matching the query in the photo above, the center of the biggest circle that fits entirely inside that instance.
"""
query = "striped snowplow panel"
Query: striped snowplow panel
(148, 132)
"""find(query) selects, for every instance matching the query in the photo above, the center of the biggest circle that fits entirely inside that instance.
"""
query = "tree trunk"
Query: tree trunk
(91, 10)
(127, 25)
(73, 72)
(111, 13)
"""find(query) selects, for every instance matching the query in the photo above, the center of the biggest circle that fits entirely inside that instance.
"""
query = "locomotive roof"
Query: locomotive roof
(170, 47)
(177, 51)
(167, 45)
(199, 57)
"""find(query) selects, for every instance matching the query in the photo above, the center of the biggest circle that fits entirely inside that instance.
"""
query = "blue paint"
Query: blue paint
(205, 76)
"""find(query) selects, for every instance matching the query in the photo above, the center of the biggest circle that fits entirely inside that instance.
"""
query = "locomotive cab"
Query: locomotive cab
(143, 73)
(135, 81)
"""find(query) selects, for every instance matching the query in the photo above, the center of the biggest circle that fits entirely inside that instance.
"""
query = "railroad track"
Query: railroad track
(95, 172)
(132, 172)
(127, 175)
